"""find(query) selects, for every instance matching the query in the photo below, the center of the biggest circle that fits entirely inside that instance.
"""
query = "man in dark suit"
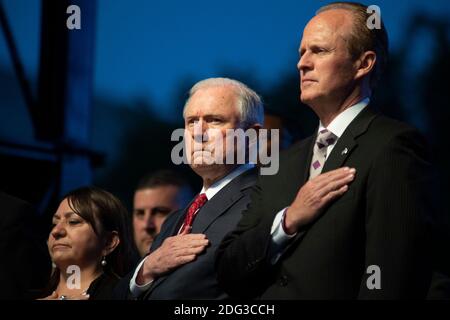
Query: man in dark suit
(373, 241)
(181, 260)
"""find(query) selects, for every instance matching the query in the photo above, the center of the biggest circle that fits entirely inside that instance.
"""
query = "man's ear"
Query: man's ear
(365, 64)
(112, 241)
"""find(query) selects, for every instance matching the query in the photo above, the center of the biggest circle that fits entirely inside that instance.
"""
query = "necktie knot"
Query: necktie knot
(198, 202)
(325, 138)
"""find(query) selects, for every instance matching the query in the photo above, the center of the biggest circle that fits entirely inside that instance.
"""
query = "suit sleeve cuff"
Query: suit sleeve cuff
(279, 234)
(136, 289)
(280, 239)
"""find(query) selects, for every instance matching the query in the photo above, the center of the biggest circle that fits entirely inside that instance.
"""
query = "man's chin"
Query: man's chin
(202, 161)
(145, 248)
(306, 98)
(201, 167)
(205, 169)
(146, 244)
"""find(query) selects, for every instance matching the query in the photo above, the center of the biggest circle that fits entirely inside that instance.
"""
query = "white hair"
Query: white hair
(250, 105)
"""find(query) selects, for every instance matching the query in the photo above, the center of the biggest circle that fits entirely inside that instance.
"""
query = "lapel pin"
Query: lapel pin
(344, 151)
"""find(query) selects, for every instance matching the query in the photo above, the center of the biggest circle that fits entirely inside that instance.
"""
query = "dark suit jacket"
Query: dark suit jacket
(381, 220)
(16, 264)
(197, 279)
(102, 288)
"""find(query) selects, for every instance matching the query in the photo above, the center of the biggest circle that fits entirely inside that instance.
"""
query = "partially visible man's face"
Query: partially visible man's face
(209, 108)
(150, 208)
(326, 68)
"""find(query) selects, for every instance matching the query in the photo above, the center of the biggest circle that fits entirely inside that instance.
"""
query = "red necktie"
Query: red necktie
(198, 202)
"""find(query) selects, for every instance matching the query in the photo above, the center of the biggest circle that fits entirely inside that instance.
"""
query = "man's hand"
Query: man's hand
(314, 195)
(174, 252)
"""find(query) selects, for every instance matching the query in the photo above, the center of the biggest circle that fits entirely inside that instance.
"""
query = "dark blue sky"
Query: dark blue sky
(144, 48)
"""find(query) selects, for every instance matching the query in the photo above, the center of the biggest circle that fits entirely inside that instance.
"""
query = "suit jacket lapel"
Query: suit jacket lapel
(295, 170)
(348, 141)
(224, 199)
(341, 151)
(172, 231)
(177, 225)
(306, 157)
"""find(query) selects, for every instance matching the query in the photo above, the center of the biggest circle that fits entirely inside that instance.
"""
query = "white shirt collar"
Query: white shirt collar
(219, 184)
(341, 122)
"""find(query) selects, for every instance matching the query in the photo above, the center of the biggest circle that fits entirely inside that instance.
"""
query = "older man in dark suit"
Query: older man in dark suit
(181, 260)
(373, 241)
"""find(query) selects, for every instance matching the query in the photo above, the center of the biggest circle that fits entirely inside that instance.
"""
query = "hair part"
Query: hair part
(250, 105)
(363, 39)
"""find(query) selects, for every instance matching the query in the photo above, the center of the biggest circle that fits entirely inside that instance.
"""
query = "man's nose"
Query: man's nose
(149, 221)
(200, 128)
(304, 63)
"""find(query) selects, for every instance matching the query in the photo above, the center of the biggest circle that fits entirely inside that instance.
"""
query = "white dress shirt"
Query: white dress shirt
(136, 289)
(338, 126)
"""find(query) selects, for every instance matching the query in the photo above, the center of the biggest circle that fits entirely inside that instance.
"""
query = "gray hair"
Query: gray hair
(250, 105)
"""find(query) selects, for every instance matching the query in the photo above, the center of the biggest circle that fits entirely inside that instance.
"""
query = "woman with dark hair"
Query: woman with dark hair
(89, 245)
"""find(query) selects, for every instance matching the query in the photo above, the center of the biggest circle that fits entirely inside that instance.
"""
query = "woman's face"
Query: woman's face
(72, 240)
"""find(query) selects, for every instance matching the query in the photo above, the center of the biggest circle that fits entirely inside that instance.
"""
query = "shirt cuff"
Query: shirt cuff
(279, 235)
(280, 238)
(136, 289)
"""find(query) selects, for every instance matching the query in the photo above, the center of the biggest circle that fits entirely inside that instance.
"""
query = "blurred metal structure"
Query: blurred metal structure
(60, 158)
